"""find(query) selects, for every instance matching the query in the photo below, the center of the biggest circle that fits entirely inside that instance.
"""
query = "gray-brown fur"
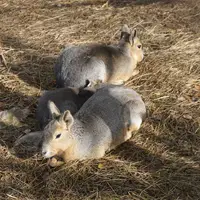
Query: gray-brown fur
(65, 99)
(108, 63)
(106, 120)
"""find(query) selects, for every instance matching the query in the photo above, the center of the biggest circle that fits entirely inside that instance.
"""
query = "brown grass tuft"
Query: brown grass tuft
(162, 160)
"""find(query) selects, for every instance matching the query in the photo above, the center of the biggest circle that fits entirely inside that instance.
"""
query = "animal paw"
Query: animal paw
(54, 162)
(135, 72)
(118, 82)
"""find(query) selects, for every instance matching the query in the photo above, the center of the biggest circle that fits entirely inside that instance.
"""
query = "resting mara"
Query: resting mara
(97, 62)
(65, 99)
(106, 120)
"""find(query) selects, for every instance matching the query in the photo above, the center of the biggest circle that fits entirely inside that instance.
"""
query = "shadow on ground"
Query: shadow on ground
(31, 64)
(114, 3)
(118, 3)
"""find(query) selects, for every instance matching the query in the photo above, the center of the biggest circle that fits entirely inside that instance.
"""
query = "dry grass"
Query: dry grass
(162, 161)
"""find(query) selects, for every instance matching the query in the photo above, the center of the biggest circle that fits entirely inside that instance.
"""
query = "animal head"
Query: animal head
(57, 135)
(130, 36)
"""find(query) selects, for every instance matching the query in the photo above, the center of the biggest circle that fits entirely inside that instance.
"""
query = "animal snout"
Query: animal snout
(141, 57)
(47, 153)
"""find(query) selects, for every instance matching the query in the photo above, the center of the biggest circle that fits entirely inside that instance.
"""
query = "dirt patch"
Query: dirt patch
(162, 160)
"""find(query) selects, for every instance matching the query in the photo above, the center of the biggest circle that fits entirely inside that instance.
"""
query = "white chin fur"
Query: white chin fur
(48, 155)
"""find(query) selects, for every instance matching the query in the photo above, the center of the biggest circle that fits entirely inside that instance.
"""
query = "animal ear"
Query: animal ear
(67, 118)
(125, 29)
(134, 33)
(133, 36)
(126, 34)
(55, 113)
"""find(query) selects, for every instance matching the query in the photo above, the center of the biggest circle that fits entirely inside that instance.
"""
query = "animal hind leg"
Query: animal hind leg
(98, 152)
(131, 127)
(132, 119)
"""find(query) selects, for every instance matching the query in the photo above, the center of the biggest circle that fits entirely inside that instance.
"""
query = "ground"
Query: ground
(162, 160)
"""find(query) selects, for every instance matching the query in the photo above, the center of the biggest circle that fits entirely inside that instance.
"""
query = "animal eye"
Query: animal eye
(57, 136)
(139, 46)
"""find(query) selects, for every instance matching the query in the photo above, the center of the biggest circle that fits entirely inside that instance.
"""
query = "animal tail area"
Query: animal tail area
(92, 83)
(133, 116)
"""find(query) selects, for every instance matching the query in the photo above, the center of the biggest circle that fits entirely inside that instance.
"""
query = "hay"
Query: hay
(162, 159)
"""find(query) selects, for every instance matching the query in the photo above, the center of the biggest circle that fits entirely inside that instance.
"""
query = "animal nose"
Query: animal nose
(44, 152)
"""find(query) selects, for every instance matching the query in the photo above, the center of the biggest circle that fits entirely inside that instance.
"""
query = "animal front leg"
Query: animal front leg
(118, 82)
(135, 72)
(54, 162)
